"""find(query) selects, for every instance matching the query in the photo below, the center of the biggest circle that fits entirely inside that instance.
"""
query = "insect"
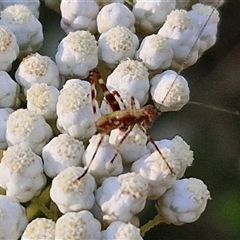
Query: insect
(126, 119)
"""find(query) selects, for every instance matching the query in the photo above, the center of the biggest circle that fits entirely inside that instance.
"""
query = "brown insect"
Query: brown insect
(126, 119)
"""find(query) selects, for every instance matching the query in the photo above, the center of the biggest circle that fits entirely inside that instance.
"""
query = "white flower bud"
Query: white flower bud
(199, 15)
(4, 115)
(40, 228)
(9, 49)
(133, 147)
(180, 32)
(33, 5)
(155, 169)
(26, 126)
(169, 91)
(184, 202)
(13, 219)
(21, 173)
(150, 15)
(9, 94)
(79, 15)
(119, 230)
(116, 45)
(26, 27)
(176, 150)
(36, 68)
(60, 153)
(42, 99)
(74, 110)
(78, 225)
(155, 52)
(120, 198)
(115, 14)
(71, 192)
(77, 54)
(130, 76)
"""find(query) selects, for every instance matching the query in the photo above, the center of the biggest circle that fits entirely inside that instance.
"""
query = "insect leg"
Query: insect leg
(93, 92)
(121, 141)
(116, 93)
(150, 139)
(133, 105)
(93, 156)
(107, 94)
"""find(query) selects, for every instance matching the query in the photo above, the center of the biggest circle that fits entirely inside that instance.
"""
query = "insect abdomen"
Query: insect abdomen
(119, 119)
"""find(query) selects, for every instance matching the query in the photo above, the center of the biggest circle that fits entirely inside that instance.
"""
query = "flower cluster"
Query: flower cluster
(93, 156)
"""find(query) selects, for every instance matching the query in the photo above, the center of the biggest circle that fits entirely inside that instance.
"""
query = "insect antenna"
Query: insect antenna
(190, 51)
(232, 112)
(114, 105)
(182, 66)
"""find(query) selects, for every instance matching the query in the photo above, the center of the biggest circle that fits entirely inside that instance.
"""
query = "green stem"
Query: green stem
(151, 224)
(38, 204)
(55, 213)
(53, 125)
(2, 191)
(129, 2)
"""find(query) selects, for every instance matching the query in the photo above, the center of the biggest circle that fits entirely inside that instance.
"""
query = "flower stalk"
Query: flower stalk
(151, 224)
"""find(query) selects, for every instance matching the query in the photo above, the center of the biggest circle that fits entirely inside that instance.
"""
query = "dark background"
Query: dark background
(212, 135)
